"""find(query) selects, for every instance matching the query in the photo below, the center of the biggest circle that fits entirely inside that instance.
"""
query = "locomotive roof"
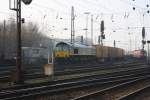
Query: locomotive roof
(33, 47)
(77, 45)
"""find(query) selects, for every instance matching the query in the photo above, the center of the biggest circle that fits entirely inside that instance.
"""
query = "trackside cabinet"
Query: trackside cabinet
(49, 69)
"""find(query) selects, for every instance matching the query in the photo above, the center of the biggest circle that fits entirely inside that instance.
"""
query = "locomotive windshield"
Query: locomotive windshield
(62, 47)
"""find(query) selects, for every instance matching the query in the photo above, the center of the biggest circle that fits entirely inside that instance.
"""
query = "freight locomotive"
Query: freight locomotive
(66, 52)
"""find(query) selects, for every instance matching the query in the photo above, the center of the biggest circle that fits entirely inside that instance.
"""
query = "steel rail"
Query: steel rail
(67, 72)
(132, 95)
(57, 88)
(101, 92)
(104, 75)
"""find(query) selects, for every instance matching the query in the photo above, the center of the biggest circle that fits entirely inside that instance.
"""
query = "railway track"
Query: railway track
(104, 75)
(5, 75)
(115, 92)
(97, 67)
(70, 67)
(68, 85)
(138, 94)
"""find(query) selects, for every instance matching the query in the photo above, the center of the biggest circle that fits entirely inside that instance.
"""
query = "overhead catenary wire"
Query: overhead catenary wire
(79, 14)
(68, 13)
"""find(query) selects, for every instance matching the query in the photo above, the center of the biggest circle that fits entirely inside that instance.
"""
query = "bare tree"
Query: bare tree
(31, 37)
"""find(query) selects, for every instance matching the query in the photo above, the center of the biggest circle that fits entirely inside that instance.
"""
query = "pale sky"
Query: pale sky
(52, 16)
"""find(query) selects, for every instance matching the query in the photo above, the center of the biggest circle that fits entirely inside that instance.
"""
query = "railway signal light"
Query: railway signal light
(99, 39)
(23, 20)
(143, 32)
(102, 30)
(102, 26)
(27, 2)
(103, 36)
(143, 42)
(148, 41)
(147, 5)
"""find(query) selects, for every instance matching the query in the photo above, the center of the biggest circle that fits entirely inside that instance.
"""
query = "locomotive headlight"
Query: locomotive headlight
(27, 2)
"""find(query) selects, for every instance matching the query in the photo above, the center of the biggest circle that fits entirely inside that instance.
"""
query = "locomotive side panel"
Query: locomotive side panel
(86, 51)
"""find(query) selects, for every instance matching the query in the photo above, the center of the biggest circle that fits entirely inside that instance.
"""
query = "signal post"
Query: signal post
(16, 6)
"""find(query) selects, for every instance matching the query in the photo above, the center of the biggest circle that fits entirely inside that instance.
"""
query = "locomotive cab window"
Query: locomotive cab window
(59, 48)
(62, 47)
(76, 51)
(65, 48)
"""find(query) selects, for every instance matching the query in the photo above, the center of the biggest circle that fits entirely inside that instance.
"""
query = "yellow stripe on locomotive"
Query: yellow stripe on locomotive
(62, 54)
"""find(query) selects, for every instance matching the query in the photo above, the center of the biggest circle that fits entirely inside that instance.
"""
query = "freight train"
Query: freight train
(66, 52)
